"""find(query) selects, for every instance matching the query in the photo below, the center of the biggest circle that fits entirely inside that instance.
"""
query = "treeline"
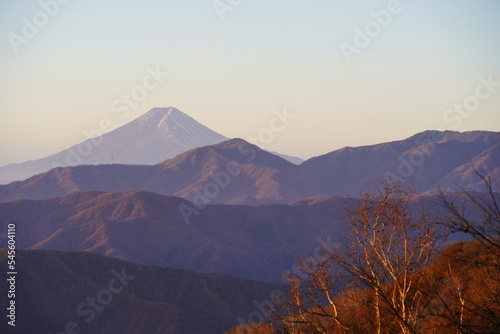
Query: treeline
(390, 276)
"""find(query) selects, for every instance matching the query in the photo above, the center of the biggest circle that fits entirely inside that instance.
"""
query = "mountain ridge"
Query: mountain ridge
(249, 175)
(257, 242)
(237, 172)
(158, 135)
(151, 138)
(423, 160)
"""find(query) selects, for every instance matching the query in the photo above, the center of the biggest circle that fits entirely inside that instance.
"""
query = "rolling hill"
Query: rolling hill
(70, 291)
(258, 242)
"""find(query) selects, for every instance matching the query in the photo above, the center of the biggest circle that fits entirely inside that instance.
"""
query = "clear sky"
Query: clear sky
(231, 73)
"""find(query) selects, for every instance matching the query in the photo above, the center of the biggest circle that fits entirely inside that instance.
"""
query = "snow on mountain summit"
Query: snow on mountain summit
(170, 126)
(159, 134)
(158, 116)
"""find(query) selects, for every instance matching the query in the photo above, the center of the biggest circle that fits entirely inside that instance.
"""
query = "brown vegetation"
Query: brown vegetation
(389, 278)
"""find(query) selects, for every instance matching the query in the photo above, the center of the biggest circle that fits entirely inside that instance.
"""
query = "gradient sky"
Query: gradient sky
(230, 74)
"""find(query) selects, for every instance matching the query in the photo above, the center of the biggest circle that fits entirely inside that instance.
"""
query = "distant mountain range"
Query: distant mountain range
(237, 172)
(428, 160)
(227, 208)
(54, 292)
(160, 134)
(261, 177)
(259, 242)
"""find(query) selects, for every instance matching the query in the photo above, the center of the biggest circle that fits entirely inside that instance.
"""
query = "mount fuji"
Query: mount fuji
(160, 134)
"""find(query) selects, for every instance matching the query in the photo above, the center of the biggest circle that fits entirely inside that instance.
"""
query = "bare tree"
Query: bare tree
(471, 302)
(385, 278)
(392, 241)
(473, 213)
(468, 299)
(377, 271)
(310, 303)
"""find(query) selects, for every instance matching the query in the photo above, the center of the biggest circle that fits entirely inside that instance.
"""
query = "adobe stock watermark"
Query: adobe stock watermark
(486, 87)
(88, 309)
(320, 254)
(220, 180)
(277, 124)
(363, 37)
(409, 163)
(222, 7)
(31, 26)
(121, 106)
(264, 308)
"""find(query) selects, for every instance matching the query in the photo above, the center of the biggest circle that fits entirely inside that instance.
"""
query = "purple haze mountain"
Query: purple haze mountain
(233, 171)
(160, 134)
(258, 242)
(428, 160)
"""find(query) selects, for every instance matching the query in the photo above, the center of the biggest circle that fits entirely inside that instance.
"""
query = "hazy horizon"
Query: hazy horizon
(230, 68)
(253, 139)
